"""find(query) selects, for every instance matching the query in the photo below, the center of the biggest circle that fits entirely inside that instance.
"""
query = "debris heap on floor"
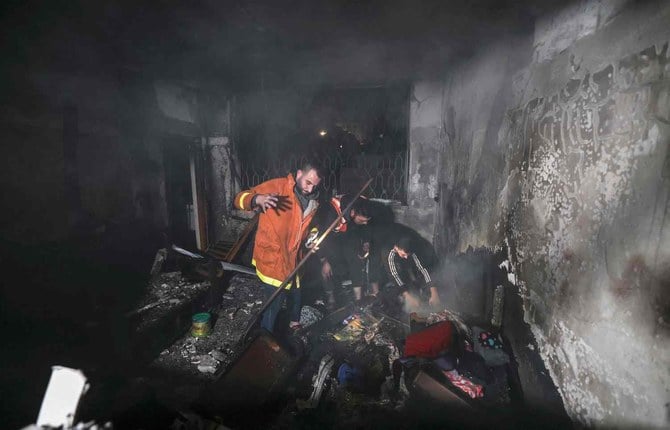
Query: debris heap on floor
(362, 365)
(342, 368)
(192, 362)
(168, 291)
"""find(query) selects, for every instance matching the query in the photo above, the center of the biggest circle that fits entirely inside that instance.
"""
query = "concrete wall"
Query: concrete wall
(223, 184)
(556, 151)
(425, 118)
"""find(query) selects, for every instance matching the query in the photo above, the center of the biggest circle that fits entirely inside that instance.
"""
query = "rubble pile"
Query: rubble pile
(352, 364)
(182, 370)
(372, 370)
(347, 376)
(241, 301)
(166, 293)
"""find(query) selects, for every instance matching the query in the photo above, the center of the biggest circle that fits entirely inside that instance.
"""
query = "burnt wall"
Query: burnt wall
(554, 149)
(425, 140)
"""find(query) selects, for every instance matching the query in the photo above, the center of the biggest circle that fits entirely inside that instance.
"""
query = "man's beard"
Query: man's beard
(306, 194)
(300, 188)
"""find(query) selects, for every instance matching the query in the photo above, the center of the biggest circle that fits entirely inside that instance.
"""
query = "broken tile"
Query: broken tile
(208, 364)
(230, 312)
(189, 346)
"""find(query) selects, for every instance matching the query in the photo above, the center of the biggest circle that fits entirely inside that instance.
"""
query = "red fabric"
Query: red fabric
(429, 343)
(464, 384)
(336, 203)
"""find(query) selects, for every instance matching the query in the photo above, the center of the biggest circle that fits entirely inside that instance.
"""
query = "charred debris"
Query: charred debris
(356, 366)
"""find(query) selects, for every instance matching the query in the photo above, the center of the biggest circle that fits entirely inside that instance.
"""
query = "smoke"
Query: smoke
(466, 281)
(413, 303)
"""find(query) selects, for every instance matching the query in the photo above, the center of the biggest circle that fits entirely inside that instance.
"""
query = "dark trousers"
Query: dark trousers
(361, 272)
(270, 315)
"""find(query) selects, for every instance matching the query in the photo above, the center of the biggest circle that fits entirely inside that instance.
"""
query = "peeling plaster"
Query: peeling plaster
(579, 180)
(588, 373)
(580, 202)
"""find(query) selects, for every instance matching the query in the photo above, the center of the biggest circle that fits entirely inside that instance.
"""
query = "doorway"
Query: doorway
(182, 221)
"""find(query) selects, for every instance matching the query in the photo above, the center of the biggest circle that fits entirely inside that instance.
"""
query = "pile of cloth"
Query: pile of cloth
(362, 364)
(469, 361)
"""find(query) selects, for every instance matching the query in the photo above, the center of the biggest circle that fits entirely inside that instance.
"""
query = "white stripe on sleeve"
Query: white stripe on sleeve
(422, 269)
(394, 271)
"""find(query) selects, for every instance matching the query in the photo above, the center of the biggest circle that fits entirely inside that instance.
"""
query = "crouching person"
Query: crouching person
(405, 271)
(345, 254)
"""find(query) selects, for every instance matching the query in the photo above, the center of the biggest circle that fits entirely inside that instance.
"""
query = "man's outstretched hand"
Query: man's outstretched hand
(272, 201)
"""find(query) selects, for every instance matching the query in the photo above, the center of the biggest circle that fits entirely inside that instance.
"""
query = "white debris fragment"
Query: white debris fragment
(230, 312)
(208, 364)
(64, 391)
(189, 347)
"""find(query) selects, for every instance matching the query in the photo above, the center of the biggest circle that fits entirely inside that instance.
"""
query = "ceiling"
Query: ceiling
(262, 43)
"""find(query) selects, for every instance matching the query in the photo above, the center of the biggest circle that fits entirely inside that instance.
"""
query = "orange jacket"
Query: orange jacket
(280, 232)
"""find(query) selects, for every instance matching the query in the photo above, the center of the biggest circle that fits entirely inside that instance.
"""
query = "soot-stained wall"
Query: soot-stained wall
(425, 116)
(560, 159)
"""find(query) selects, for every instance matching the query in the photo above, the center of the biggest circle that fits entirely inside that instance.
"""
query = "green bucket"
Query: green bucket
(200, 324)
